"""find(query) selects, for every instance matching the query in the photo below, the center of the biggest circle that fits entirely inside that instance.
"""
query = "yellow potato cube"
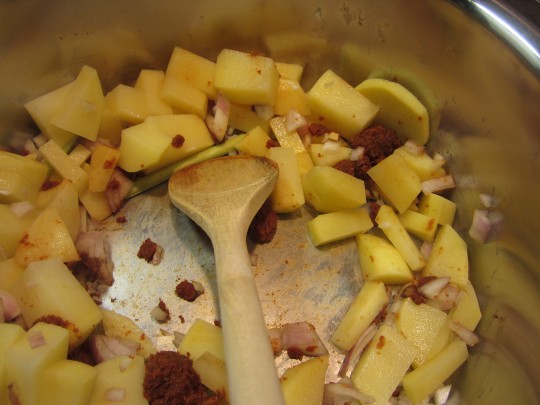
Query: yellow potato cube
(246, 78)
(467, 311)
(291, 71)
(124, 375)
(287, 195)
(389, 223)
(184, 97)
(289, 139)
(213, 373)
(291, 96)
(10, 272)
(366, 306)
(305, 164)
(202, 337)
(255, 143)
(303, 384)
(195, 69)
(96, 204)
(420, 324)
(111, 127)
(66, 203)
(187, 133)
(80, 154)
(128, 104)
(338, 225)
(66, 167)
(49, 288)
(424, 380)
(115, 324)
(42, 108)
(25, 363)
(381, 261)
(327, 189)
(151, 83)
(243, 118)
(438, 207)
(383, 364)
(444, 337)
(102, 165)
(398, 182)
(10, 333)
(322, 156)
(424, 165)
(13, 228)
(419, 225)
(67, 382)
(80, 110)
(20, 178)
(448, 257)
(343, 108)
(48, 236)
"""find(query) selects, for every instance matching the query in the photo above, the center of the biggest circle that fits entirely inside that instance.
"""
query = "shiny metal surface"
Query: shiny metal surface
(481, 60)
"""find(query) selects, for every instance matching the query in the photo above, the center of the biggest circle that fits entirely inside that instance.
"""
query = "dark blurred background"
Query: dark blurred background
(530, 9)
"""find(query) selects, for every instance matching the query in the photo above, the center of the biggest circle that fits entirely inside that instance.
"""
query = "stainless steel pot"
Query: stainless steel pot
(481, 59)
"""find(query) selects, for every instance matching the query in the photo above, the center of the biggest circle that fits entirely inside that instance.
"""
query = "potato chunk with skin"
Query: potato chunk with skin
(343, 108)
(246, 78)
(338, 225)
(48, 288)
(287, 195)
(380, 261)
(303, 384)
(366, 306)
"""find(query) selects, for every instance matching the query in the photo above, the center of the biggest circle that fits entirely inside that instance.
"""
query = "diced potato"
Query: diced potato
(292, 71)
(291, 96)
(305, 164)
(80, 110)
(42, 108)
(400, 110)
(366, 306)
(142, 146)
(243, 118)
(389, 223)
(194, 134)
(467, 311)
(381, 261)
(420, 324)
(246, 78)
(67, 382)
(111, 127)
(184, 97)
(151, 83)
(419, 225)
(399, 183)
(383, 364)
(48, 236)
(303, 384)
(344, 109)
(286, 138)
(25, 364)
(96, 204)
(424, 165)
(448, 257)
(115, 324)
(338, 225)
(444, 337)
(102, 165)
(128, 104)
(122, 374)
(13, 228)
(438, 207)
(80, 154)
(20, 178)
(287, 195)
(202, 337)
(66, 203)
(327, 189)
(255, 142)
(10, 272)
(213, 373)
(64, 166)
(195, 69)
(424, 380)
(322, 156)
(10, 333)
(49, 288)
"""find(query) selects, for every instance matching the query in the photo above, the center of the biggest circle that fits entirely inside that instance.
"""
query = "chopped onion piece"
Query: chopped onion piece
(264, 111)
(330, 146)
(301, 337)
(447, 298)
(488, 200)
(198, 287)
(354, 353)
(115, 395)
(21, 208)
(293, 120)
(276, 340)
(438, 184)
(343, 392)
(413, 147)
(331, 136)
(36, 339)
(10, 306)
(40, 140)
(425, 249)
(441, 395)
(158, 314)
(125, 363)
(433, 288)
(178, 337)
(158, 255)
(480, 226)
(465, 334)
(218, 123)
(357, 153)
(253, 259)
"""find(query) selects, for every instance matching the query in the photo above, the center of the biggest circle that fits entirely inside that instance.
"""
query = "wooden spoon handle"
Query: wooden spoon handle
(251, 371)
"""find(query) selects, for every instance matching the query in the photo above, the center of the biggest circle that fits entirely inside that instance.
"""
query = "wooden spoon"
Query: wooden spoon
(222, 196)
